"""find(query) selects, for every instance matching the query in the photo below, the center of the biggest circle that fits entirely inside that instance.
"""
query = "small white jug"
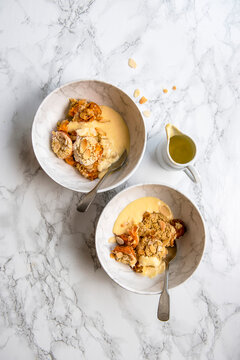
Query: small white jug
(178, 152)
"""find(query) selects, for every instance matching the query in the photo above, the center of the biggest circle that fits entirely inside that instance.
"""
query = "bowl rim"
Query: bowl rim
(151, 184)
(118, 183)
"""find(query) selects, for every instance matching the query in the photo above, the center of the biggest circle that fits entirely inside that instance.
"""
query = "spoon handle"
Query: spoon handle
(87, 199)
(164, 301)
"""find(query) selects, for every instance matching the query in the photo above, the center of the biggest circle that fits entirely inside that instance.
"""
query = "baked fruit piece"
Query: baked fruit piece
(61, 144)
(179, 226)
(63, 125)
(125, 255)
(90, 113)
(76, 106)
(81, 110)
(129, 238)
(89, 172)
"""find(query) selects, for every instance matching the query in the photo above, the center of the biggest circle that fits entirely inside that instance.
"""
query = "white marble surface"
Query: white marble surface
(55, 300)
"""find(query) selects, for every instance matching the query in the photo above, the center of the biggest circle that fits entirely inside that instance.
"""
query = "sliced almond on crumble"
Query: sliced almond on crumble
(132, 63)
(119, 255)
(153, 249)
(162, 225)
(87, 154)
(119, 240)
(83, 145)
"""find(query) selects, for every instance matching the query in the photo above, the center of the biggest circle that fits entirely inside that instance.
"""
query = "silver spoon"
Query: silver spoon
(89, 197)
(164, 301)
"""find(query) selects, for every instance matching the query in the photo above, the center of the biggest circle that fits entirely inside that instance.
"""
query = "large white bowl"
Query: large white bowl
(190, 246)
(54, 108)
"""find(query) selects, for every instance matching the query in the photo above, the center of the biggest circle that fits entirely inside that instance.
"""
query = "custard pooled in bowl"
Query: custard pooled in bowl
(143, 231)
(91, 138)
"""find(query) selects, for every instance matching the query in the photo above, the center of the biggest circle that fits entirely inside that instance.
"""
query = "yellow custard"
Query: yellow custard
(133, 212)
(151, 271)
(112, 124)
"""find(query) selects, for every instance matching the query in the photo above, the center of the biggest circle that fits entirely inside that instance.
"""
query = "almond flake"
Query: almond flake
(119, 240)
(136, 93)
(146, 113)
(132, 63)
(83, 145)
(87, 154)
(142, 100)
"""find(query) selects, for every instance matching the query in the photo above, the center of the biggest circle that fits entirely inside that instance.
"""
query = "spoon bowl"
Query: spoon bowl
(172, 252)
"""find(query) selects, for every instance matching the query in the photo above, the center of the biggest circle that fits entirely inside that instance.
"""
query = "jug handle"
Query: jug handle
(192, 173)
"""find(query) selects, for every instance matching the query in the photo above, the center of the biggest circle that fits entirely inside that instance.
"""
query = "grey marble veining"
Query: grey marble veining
(55, 300)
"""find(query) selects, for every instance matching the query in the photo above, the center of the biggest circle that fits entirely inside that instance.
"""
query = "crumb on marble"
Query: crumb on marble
(132, 63)
(165, 91)
(174, 87)
(142, 100)
(146, 113)
(136, 93)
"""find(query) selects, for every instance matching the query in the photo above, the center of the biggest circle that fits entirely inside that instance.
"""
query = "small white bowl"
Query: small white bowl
(54, 108)
(190, 246)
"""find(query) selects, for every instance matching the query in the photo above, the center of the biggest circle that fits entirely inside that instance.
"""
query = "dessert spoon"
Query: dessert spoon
(164, 301)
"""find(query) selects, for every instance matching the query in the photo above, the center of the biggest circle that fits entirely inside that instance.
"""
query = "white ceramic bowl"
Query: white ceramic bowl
(54, 108)
(190, 246)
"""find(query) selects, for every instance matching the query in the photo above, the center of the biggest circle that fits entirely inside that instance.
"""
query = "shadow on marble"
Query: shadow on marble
(20, 137)
(83, 231)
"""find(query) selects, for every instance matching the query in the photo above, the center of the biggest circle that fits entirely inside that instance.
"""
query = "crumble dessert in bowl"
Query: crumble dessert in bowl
(135, 229)
(90, 132)
(91, 138)
(144, 245)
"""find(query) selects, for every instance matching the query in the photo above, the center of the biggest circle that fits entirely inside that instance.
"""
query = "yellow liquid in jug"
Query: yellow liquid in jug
(181, 149)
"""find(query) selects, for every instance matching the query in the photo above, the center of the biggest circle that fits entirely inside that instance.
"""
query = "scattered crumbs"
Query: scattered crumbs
(142, 100)
(146, 113)
(136, 93)
(174, 87)
(132, 63)
(165, 91)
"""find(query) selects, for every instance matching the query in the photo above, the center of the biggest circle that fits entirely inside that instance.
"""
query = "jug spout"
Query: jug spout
(171, 131)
